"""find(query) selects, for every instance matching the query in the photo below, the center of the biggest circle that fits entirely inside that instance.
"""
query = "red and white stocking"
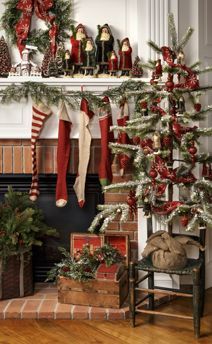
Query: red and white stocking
(84, 151)
(40, 112)
(105, 122)
(63, 154)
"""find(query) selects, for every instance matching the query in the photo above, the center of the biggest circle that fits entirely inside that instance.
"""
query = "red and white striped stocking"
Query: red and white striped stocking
(63, 154)
(105, 122)
(40, 112)
(84, 151)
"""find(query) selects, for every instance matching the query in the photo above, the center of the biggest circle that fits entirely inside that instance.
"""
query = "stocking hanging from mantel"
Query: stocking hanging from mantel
(105, 122)
(123, 138)
(40, 112)
(63, 153)
(84, 150)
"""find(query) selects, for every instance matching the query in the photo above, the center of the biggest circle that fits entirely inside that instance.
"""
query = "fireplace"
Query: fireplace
(66, 220)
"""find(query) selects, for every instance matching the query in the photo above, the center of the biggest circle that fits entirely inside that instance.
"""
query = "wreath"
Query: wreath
(16, 21)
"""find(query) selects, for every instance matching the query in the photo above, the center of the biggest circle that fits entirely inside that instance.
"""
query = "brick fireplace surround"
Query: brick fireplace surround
(15, 158)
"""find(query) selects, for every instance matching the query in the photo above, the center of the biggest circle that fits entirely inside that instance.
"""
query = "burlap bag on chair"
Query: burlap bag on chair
(168, 252)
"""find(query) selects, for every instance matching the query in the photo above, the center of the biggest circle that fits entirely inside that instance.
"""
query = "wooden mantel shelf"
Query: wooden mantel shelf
(94, 82)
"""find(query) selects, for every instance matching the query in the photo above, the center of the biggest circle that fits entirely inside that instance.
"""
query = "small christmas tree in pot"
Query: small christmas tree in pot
(21, 226)
(166, 149)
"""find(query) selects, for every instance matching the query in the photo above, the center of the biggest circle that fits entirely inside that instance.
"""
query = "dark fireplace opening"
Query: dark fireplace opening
(66, 220)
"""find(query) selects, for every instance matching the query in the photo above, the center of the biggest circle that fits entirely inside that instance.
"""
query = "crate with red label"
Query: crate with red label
(110, 286)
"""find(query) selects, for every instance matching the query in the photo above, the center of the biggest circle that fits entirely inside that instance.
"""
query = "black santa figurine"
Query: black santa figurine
(104, 43)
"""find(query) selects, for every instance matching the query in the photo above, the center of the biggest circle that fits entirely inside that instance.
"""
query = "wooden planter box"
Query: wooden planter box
(16, 279)
(95, 292)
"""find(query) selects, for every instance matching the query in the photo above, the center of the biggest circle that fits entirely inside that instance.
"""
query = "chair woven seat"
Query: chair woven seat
(145, 264)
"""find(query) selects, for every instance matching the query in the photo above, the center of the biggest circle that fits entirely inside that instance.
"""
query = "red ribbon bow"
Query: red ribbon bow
(41, 8)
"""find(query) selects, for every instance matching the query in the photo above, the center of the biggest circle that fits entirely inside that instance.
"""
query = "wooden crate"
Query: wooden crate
(95, 292)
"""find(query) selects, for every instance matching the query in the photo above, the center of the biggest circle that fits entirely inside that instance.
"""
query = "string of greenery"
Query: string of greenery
(62, 9)
(52, 95)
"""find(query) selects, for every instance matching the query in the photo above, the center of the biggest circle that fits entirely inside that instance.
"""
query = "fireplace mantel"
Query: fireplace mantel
(15, 118)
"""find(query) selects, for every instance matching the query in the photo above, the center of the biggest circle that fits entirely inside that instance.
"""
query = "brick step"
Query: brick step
(44, 305)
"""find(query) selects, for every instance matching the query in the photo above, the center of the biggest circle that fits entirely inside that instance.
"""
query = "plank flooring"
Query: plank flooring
(149, 329)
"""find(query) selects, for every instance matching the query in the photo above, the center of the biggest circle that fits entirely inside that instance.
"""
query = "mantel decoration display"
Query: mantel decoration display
(16, 21)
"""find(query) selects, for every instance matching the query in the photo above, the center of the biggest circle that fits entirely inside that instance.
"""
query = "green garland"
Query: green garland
(62, 9)
(52, 95)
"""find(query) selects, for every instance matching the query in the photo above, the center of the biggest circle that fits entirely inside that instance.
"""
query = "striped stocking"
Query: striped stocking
(39, 114)
(84, 151)
(63, 154)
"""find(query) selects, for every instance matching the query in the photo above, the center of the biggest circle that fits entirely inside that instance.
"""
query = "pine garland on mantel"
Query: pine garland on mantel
(52, 95)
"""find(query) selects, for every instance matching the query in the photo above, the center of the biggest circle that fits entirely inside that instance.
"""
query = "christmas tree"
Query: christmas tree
(5, 61)
(165, 145)
(60, 57)
(52, 68)
(137, 70)
(45, 63)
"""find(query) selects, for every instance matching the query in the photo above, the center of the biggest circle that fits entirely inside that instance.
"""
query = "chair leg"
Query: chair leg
(151, 286)
(132, 293)
(202, 290)
(196, 302)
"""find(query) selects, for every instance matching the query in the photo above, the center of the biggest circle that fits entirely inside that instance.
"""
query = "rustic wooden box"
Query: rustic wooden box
(16, 278)
(96, 292)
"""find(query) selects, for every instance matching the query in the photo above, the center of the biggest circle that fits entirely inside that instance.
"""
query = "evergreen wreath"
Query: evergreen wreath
(61, 9)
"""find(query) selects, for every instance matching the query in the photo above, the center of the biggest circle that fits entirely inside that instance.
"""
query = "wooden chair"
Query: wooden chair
(195, 268)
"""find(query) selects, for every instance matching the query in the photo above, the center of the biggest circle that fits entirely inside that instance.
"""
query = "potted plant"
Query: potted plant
(21, 226)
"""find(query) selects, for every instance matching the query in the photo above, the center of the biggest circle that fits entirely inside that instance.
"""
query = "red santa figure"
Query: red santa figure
(113, 63)
(79, 35)
(125, 53)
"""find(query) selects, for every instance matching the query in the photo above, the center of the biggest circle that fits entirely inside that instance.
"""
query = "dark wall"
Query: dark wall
(66, 220)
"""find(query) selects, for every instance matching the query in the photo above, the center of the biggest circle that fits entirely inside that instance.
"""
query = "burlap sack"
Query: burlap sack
(168, 252)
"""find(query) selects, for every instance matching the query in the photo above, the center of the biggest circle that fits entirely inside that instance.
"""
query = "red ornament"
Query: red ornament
(192, 150)
(65, 268)
(136, 140)
(166, 141)
(169, 83)
(153, 173)
(131, 201)
(197, 107)
(158, 69)
(184, 219)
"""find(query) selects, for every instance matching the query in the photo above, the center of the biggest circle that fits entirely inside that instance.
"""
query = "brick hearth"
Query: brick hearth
(44, 305)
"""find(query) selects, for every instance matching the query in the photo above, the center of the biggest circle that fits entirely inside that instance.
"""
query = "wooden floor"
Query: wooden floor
(158, 329)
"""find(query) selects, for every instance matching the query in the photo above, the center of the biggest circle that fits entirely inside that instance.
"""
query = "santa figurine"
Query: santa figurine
(89, 61)
(67, 64)
(125, 53)
(113, 63)
(77, 39)
(104, 43)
